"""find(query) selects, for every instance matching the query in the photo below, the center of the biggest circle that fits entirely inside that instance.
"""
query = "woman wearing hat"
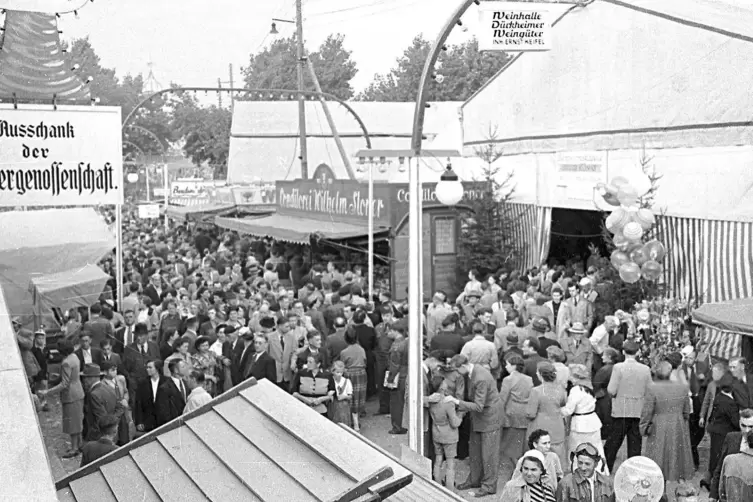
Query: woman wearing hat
(585, 425)
(206, 361)
(529, 485)
(71, 395)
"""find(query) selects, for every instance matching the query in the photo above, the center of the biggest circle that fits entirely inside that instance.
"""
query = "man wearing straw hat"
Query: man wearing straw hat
(578, 349)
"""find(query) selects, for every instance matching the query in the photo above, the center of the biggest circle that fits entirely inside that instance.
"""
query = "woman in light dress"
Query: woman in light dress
(585, 425)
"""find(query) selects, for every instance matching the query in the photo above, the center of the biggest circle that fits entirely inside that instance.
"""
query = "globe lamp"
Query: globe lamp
(132, 177)
(449, 190)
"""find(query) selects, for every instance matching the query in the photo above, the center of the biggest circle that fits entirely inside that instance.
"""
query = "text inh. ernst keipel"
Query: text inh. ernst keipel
(58, 158)
(514, 27)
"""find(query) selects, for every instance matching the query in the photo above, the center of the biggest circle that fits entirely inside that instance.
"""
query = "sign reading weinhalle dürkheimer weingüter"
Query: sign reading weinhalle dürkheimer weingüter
(514, 27)
(69, 156)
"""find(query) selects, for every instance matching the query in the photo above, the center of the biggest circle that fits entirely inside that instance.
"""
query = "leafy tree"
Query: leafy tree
(205, 132)
(461, 71)
(486, 241)
(125, 93)
(275, 67)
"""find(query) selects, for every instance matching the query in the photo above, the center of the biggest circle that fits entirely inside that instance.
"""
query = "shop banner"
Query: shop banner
(515, 27)
(579, 172)
(149, 211)
(255, 194)
(71, 155)
(193, 188)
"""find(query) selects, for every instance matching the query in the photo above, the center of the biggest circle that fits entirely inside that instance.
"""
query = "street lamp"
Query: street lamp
(449, 190)
(415, 271)
(274, 31)
(132, 177)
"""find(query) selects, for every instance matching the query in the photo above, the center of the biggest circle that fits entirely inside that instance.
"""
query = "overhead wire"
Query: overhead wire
(327, 21)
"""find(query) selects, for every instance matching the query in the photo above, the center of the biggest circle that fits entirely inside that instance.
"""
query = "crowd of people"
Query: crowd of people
(520, 373)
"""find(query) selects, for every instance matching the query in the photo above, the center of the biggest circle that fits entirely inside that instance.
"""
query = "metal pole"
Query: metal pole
(301, 100)
(219, 94)
(415, 337)
(167, 194)
(232, 97)
(371, 231)
(331, 122)
(119, 255)
(148, 190)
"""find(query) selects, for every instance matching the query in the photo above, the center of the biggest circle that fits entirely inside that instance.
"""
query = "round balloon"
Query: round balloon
(645, 218)
(639, 478)
(616, 220)
(619, 182)
(651, 270)
(620, 242)
(630, 272)
(656, 250)
(619, 258)
(632, 231)
(628, 196)
(639, 256)
(611, 199)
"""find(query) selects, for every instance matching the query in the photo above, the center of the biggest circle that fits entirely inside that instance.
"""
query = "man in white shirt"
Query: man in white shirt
(199, 395)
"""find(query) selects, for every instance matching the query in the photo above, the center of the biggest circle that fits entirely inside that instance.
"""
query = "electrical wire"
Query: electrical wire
(326, 22)
(355, 7)
(321, 129)
(295, 149)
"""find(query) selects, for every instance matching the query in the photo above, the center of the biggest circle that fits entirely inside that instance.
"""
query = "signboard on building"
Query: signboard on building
(343, 200)
(69, 156)
(515, 27)
(579, 172)
(148, 211)
(255, 194)
(193, 188)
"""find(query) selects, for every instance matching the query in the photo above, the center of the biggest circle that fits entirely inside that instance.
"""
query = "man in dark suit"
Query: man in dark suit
(124, 335)
(540, 327)
(154, 289)
(111, 357)
(336, 342)
(102, 400)
(743, 389)
(486, 420)
(93, 450)
(244, 352)
(86, 353)
(732, 444)
(137, 355)
(261, 364)
(447, 342)
(98, 327)
(172, 394)
(145, 409)
(696, 382)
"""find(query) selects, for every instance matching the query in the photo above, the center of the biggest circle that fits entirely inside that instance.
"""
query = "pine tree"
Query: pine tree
(486, 242)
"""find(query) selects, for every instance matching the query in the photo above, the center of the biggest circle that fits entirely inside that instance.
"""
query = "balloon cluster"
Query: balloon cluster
(628, 223)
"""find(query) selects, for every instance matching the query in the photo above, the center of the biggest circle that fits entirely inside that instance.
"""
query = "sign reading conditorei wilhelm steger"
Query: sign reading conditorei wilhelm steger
(69, 156)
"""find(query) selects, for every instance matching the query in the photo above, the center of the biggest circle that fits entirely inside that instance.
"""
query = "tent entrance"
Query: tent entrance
(573, 230)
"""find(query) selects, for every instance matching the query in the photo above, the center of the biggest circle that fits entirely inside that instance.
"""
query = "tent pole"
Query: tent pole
(119, 255)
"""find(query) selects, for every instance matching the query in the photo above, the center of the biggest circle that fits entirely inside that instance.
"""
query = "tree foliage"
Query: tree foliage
(205, 132)
(125, 93)
(486, 242)
(276, 67)
(461, 71)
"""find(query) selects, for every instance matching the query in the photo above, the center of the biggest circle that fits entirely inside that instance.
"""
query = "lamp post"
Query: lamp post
(383, 166)
(447, 187)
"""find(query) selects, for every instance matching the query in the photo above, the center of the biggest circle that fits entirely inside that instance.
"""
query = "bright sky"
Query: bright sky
(192, 42)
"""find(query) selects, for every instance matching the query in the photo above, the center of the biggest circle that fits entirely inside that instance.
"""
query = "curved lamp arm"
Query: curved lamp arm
(439, 45)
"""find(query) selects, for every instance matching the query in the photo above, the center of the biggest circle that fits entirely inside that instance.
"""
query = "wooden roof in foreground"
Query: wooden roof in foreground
(253, 443)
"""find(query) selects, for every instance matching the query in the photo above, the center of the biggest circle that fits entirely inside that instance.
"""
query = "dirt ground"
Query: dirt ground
(373, 428)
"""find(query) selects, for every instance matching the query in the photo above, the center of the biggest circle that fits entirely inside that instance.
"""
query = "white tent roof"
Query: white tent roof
(626, 75)
(264, 136)
(70, 288)
(47, 242)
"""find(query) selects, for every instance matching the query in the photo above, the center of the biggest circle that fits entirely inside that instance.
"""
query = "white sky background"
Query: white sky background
(192, 42)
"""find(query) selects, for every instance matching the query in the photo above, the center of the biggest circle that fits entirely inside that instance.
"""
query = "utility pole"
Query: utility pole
(232, 96)
(219, 94)
(301, 98)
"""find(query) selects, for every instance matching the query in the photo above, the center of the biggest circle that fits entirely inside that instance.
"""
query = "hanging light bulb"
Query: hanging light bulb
(383, 167)
(401, 167)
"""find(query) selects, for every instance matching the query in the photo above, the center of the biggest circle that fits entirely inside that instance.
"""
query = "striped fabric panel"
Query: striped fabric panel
(728, 262)
(682, 266)
(531, 233)
(722, 344)
(189, 202)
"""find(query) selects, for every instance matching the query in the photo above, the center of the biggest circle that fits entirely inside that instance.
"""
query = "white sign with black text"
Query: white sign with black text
(515, 27)
(71, 155)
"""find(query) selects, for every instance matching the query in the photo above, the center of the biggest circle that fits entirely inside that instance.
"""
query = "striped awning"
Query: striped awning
(190, 202)
(722, 344)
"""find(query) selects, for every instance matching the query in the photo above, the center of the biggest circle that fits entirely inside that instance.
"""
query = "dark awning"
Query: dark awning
(295, 229)
(183, 213)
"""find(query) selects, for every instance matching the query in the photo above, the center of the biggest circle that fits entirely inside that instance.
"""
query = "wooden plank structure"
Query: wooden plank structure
(253, 443)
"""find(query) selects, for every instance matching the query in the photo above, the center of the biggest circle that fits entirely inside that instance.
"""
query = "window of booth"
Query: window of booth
(445, 237)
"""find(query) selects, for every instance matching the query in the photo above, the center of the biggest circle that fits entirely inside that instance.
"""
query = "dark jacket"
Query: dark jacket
(366, 337)
(99, 329)
(731, 446)
(145, 408)
(94, 450)
(447, 343)
(335, 344)
(134, 363)
(263, 367)
(170, 402)
(725, 416)
(531, 363)
(102, 400)
(545, 343)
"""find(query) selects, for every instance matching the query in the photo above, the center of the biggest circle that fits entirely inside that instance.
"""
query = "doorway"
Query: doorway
(573, 230)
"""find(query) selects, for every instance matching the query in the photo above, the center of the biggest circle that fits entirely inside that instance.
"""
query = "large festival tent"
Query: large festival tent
(47, 254)
(626, 81)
